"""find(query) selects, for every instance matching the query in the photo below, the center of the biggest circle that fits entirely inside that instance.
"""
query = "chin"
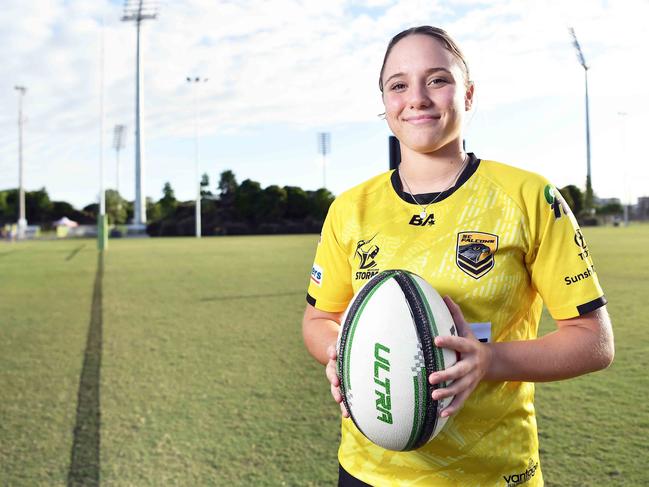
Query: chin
(424, 146)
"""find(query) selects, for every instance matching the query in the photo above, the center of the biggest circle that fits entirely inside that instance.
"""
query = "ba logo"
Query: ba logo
(418, 221)
(555, 200)
(366, 252)
(317, 274)
(475, 252)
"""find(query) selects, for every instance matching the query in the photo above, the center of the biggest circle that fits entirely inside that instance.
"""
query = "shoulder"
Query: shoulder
(510, 177)
(525, 188)
(361, 192)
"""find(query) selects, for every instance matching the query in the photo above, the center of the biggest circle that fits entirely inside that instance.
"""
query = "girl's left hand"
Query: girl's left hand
(468, 371)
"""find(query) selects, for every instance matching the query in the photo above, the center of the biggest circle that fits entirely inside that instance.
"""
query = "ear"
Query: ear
(468, 96)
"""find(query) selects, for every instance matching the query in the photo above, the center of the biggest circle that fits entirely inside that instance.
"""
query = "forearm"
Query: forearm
(319, 334)
(567, 352)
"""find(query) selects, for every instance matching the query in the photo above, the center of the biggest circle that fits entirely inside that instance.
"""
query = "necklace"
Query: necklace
(423, 212)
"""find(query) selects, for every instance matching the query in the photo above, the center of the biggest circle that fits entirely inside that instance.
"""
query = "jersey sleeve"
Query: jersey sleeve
(330, 287)
(559, 260)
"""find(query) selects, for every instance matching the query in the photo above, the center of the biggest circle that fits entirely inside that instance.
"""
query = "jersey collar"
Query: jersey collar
(426, 198)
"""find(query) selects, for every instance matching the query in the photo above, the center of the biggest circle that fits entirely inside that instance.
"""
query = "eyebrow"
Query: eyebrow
(428, 71)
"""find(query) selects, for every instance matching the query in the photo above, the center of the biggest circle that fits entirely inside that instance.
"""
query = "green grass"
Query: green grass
(204, 379)
(594, 429)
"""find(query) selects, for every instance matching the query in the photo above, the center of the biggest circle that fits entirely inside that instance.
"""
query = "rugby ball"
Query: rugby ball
(385, 355)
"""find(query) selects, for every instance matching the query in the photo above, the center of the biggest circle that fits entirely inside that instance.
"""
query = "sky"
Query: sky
(280, 71)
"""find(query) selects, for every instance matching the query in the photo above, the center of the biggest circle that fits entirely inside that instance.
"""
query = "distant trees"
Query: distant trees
(39, 209)
(116, 207)
(574, 198)
(244, 208)
(168, 201)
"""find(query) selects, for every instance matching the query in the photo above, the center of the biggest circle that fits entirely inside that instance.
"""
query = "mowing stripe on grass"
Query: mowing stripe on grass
(74, 252)
(84, 458)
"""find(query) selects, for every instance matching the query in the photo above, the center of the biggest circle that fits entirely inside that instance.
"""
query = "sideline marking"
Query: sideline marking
(84, 457)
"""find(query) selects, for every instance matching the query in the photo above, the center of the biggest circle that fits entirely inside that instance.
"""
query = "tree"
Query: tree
(610, 209)
(37, 206)
(168, 201)
(153, 209)
(8, 211)
(273, 203)
(247, 199)
(115, 207)
(227, 184)
(205, 185)
(319, 203)
(63, 208)
(574, 198)
(297, 202)
(91, 211)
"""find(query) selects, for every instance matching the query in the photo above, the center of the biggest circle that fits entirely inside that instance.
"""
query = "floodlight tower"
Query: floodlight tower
(589, 188)
(139, 10)
(195, 80)
(22, 220)
(324, 148)
(118, 144)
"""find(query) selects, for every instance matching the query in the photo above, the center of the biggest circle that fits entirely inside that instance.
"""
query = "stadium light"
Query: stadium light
(22, 220)
(324, 148)
(194, 81)
(589, 188)
(137, 11)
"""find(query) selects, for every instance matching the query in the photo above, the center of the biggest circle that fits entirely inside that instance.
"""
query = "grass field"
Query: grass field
(180, 362)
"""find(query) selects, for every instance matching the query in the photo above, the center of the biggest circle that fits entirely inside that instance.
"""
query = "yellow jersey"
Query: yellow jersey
(500, 243)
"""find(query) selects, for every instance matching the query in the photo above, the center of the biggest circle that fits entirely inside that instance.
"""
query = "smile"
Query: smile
(422, 119)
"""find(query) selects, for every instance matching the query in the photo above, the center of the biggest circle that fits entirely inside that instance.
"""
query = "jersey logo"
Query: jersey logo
(475, 251)
(366, 252)
(317, 274)
(555, 200)
(418, 221)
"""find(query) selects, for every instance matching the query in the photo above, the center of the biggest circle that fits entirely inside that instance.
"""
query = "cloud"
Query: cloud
(298, 64)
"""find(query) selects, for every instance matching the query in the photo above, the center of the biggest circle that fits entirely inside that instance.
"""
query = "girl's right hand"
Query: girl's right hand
(331, 370)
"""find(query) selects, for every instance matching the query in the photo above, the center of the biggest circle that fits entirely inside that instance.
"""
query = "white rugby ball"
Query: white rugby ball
(385, 355)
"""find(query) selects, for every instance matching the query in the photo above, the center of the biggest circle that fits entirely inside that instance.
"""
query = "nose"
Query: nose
(419, 96)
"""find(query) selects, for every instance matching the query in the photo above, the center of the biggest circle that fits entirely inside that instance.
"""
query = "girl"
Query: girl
(497, 241)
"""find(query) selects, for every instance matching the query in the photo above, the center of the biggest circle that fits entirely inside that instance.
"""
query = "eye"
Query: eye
(398, 86)
(437, 81)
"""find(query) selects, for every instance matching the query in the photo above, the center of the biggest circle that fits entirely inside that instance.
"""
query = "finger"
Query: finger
(456, 404)
(336, 394)
(332, 374)
(455, 372)
(453, 389)
(343, 410)
(460, 344)
(331, 352)
(463, 327)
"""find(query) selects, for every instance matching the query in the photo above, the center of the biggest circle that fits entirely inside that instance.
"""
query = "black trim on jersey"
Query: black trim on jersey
(582, 309)
(345, 479)
(310, 299)
(426, 198)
